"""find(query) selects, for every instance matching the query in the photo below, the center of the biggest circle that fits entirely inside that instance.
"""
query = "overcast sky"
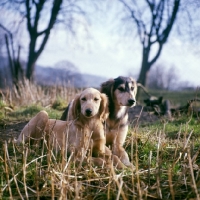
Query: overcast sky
(105, 51)
(110, 55)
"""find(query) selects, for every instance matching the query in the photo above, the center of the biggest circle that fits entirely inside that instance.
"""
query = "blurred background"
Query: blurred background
(85, 42)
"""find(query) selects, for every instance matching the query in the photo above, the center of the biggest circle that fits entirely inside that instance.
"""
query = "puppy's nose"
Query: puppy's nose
(131, 101)
(88, 112)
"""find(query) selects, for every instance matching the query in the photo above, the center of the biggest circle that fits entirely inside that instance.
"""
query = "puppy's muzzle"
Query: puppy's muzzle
(131, 102)
(88, 112)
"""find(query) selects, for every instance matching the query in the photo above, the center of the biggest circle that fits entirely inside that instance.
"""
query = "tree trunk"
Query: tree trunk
(30, 69)
(145, 67)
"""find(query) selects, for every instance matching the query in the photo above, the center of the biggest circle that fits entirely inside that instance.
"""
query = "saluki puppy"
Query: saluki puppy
(121, 93)
(85, 130)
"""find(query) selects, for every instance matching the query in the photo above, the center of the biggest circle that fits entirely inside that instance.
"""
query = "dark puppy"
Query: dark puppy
(121, 93)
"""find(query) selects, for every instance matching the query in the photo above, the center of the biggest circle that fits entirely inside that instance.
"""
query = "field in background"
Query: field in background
(177, 98)
(165, 153)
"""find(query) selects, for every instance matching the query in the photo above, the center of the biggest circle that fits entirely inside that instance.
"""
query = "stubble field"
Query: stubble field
(166, 154)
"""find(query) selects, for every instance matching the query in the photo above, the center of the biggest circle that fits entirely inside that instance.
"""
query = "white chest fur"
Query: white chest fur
(121, 112)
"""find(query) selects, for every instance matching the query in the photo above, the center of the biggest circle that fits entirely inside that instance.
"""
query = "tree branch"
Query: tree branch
(163, 37)
(156, 56)
(5, 29)
(159, 14)
(55, 10)
(140, 24)
(28, 16)
(39, 7)
(151, 6)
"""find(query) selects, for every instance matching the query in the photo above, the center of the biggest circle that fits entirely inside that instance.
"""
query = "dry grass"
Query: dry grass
(166, 167)
(29, 94)
(164, 170)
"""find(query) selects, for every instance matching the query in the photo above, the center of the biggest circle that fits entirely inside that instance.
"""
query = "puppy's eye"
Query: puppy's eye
(132, 88)
(121, 89)
(96, 99)
(83, 99)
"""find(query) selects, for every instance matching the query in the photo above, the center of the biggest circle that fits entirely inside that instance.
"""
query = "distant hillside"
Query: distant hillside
(65, 73)
(93, 80)
(51, 76)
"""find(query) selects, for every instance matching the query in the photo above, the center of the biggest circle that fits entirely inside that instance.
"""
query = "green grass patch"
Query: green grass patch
(59, 104)
(26, 113)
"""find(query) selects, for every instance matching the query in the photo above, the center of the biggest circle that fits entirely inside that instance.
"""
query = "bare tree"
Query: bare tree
(154, 21)
(16, 70)
(34, 8)
(41, 17)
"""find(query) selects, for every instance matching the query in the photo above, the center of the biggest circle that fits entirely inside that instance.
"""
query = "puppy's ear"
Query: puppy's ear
(107, 88)
(103, 110)
(76, 107)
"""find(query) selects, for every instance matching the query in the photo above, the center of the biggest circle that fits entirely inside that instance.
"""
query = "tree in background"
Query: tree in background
(154, 21)
(41, 17)
(33, 16)
(14, 64)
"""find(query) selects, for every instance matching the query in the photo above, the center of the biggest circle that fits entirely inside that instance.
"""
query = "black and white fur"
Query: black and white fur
(121, 93)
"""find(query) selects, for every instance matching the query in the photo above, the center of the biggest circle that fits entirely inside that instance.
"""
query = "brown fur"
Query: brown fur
(84, 131)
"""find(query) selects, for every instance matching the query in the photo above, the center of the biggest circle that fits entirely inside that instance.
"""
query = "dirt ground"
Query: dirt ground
(136, 116)
(12, 130)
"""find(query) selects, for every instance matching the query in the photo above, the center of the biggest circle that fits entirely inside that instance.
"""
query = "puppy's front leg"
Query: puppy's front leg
(119, 151)
(111, 157)
(98, 147)
(99, 141)
(117, 146)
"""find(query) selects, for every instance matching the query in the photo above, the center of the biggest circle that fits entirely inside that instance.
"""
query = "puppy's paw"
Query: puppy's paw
(131, 166)
(117, 162)
(98, 162)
